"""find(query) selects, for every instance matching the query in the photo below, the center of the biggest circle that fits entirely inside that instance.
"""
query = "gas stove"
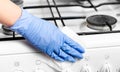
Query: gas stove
(75, 14)
(95, 24)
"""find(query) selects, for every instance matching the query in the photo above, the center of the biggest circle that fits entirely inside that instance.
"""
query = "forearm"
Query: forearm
(9, 12)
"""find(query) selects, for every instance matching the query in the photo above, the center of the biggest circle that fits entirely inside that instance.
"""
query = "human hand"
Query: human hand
(47, 38)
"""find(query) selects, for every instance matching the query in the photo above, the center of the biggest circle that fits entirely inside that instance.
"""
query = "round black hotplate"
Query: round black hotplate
(101, 21)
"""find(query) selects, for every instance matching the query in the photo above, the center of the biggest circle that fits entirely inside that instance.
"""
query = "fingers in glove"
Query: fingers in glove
(74, 44)
(71, 51)
(56, 57)
(65, 56)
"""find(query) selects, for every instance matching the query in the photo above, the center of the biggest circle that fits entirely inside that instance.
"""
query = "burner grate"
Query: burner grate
(61, 18)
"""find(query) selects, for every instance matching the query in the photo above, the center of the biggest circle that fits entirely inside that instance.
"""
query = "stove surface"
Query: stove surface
(102, 47)
(72, 13)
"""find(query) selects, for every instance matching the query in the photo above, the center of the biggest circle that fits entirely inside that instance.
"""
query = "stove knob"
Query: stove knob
(85, 68)
(105, 68)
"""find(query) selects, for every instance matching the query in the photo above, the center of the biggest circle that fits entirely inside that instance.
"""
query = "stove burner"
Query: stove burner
(18, 2)
(7, 31)
(101, 22)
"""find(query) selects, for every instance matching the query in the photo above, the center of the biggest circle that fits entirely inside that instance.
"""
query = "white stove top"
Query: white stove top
(78, 25)
(102, 50)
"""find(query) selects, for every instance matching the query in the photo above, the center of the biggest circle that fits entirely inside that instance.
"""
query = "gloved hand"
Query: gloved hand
(46, 37)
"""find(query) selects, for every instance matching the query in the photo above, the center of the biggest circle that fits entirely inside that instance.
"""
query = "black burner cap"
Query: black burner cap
(6, 28)
(101, 20)
(7, 31)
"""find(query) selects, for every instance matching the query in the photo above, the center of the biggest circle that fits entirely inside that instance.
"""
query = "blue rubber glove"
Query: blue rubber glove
(46, 37)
